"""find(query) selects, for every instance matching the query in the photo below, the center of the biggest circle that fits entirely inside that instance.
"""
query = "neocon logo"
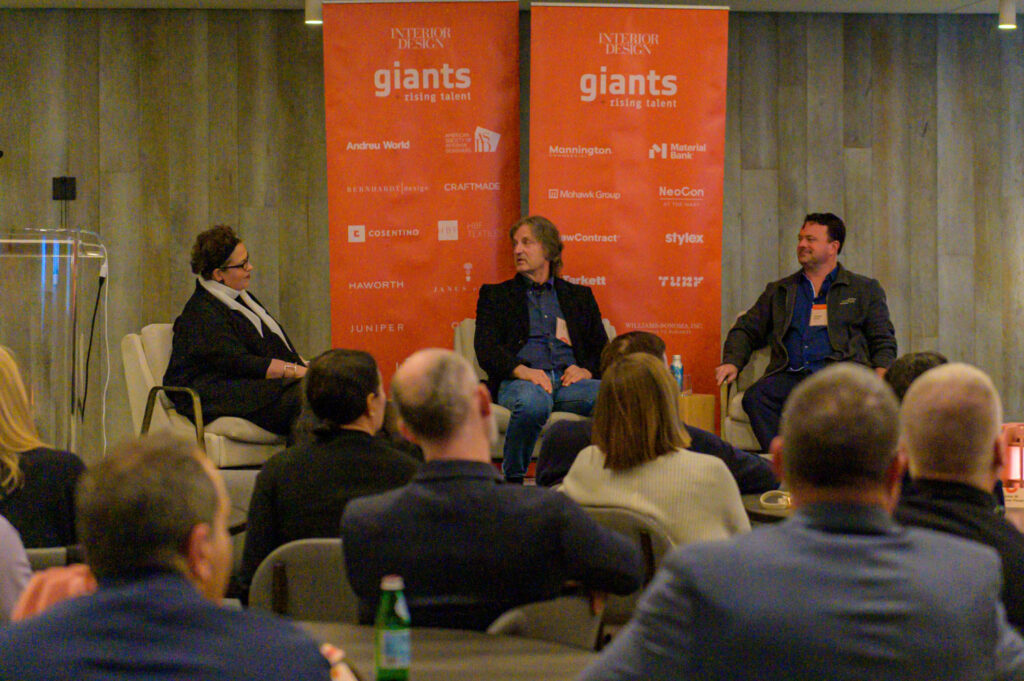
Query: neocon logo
(628, 43)
(421, 38)
(681, 194)
(637, 84)
(375, 285)
(446, 78)
(673, 281)
(587, 281)
(684, 238)
(559, 151)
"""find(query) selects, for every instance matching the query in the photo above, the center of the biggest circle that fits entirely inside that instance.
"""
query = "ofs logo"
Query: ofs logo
(359, 233)
(673, 281)
(680, 196)
(683, 152)
(684, 238)
(628, 43)
(447, 230)
(446, 78)
(636, 84)
(421, 38)
(485, 140)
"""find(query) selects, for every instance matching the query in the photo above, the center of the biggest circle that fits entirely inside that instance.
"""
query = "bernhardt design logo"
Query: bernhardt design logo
(628, 43)
(585, 238)
(358, 233)
(587, 281)
(675, 151)
(400, 188)
(558, 151)
(420, 82)
(680, 196)
(421, 37)
(588, 194)
(684, 238)
(375, 285)
(672, 281)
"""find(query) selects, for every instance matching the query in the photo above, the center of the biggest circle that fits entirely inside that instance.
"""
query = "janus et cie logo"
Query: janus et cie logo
(628, 43)
(421, 37)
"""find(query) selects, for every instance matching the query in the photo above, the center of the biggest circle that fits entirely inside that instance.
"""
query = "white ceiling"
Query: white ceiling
(850, 6)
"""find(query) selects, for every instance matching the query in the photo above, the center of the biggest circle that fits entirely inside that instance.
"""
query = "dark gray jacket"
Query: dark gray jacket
(859, 328)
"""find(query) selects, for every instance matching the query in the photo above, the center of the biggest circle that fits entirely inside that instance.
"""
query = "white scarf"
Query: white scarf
(254, 313)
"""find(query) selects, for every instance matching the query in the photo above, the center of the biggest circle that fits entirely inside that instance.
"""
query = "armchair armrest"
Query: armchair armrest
(197, 410)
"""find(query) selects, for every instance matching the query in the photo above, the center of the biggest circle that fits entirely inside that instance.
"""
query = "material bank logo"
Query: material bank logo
(447, 230)
(675, 151)
(485, 140)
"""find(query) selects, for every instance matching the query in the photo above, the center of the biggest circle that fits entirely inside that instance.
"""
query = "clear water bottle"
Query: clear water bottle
(391, 645)
(677, 370)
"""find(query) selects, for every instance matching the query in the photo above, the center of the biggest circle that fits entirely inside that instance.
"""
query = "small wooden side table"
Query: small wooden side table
(698, 410)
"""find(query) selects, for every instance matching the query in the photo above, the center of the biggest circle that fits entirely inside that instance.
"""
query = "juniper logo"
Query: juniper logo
(377, 327)
(447, 230)
(485, 140)
(356, 233)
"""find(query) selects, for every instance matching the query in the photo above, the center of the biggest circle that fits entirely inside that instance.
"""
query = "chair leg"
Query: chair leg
(279, 589)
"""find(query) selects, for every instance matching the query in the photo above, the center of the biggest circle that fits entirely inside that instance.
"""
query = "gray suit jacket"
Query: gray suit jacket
(836, 592)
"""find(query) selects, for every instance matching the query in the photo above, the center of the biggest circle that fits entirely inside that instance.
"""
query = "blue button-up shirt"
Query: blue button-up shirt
(543, 350)
(808, 346)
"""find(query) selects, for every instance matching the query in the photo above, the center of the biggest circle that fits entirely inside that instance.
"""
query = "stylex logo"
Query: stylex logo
(684, 238)
(680, 196)
(587, 281)
(554, 193)
(447, 230)
(485, 140)
(682, 281)
(675, 151)
(421, 37)
(359, 233)
(376, 285)
(628, 43)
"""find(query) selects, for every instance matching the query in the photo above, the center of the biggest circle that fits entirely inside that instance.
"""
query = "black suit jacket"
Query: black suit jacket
(470, 547)
(503, 326)
(218, 352)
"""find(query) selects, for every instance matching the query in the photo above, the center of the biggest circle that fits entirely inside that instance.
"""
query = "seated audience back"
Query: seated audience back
(37, 484)
(14, 570)
(468, 545)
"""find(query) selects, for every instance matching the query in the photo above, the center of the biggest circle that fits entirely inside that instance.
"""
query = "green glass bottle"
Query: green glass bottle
(391, 649)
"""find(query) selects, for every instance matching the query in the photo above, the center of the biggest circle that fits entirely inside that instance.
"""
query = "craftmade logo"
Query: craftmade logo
(684, 238)
(590, 238)
(685, 281)
(485, 140)
(447, 230)
(377, 285)
(472, 186)
(628, 43)
(421, 37)
(560, 151)
(587, 281)
(587, 194)
(680, 196)
(674, 151)
(390, 145)
(359, 233)
(423, 85)
(377, 327)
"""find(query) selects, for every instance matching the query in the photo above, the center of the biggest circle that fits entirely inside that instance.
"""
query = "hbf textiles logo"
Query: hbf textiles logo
(447, 230)
(421, 37)
(485, 140)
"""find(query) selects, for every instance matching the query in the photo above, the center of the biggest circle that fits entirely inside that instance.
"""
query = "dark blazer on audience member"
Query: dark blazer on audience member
(218, 352)
(302, 491)
(43, 508)
(970, 513)
(503, 326)
(563, 440)
(470, 547)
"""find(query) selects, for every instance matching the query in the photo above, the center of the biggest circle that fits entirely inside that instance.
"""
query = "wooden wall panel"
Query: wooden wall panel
(792, 131)
(824, 112)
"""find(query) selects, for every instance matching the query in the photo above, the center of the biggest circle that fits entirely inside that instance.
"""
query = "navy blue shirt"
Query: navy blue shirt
(808, 346)
(543, 350)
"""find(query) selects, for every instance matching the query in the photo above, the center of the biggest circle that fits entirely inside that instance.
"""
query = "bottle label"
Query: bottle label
(394, 649)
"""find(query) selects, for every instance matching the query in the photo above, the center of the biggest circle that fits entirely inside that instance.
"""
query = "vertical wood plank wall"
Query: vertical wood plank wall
(910, 127)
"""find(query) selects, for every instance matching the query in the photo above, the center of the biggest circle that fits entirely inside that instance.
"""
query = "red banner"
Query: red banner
(627, 137)
(422, 105)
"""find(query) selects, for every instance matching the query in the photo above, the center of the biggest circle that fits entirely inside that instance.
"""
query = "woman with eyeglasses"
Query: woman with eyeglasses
(228, 348)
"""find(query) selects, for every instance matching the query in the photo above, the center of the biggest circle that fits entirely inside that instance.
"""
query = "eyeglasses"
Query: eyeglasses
(242, 265)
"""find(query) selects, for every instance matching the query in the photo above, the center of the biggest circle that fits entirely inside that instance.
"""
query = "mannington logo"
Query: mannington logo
(577, 151)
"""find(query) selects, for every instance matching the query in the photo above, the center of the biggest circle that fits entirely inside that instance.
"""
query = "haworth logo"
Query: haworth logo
(628, 43)
(673, 281)
(375, 285)
(684, 238)
(485, 140)
(421, 37)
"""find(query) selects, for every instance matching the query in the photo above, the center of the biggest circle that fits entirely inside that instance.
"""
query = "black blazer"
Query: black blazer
(503, 326)
(217, 352)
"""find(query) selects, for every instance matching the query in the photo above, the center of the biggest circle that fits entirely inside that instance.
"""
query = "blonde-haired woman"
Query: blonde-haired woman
(37, 483)
(639, 458)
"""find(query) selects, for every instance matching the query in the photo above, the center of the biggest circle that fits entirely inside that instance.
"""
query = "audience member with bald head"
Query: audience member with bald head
(839, 590)
(468, 546)
(950, 427)
(153, 518)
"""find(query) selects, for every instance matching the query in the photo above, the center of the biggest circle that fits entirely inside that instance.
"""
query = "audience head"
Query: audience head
(628, 343)
(440, 400)
(344, 389)
(545, 232)
(908, 367)
(838, 435)
(950, 424)
(17, 428)
(156, 503)
(636, 418)
(212, 257)
(833, 223)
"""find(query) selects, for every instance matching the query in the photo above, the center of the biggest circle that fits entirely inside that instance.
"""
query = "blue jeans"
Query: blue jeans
(531, 406)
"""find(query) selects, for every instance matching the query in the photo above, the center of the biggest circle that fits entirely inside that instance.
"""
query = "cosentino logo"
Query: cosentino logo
(376, 285)
(587, 281)
(681, 281)
(627, 43)
(558, 151)
(421, 37)
(680, 196)
(423, 85)
(359, 233)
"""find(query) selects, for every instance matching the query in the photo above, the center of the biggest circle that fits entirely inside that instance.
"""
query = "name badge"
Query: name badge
(562, 331)
(819, 315)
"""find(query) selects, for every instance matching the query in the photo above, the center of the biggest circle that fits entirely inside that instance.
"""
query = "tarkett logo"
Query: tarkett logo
(421, 38)
(558, 151)
(480, 140)
(627, 43)
(359, 233)
(587, 281)
(680, 196)
(376, 285)
(683, 281)
(588, 194)
(590, 238)
(684, 238)
(678, 152)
